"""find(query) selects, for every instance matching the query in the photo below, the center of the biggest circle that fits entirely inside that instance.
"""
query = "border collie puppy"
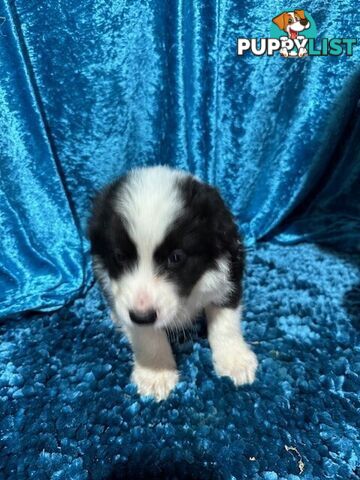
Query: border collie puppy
(165, 248)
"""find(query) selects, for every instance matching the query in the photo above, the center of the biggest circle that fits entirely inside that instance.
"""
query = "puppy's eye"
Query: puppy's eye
(290, 20)
(120, 258)
(176, 258)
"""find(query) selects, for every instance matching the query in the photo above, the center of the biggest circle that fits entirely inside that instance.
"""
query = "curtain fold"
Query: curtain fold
(40, 261)
(128, 83)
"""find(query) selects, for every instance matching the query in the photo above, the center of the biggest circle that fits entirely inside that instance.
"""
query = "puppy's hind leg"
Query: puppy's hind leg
(154, 371)
(231, 355)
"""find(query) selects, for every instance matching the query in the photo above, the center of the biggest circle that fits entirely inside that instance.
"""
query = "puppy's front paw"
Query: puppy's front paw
(155, 383)
(237, 362)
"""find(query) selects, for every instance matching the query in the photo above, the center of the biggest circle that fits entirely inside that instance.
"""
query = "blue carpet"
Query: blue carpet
(69, 412)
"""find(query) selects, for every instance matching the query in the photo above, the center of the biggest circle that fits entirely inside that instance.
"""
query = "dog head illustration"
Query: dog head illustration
(292, 22)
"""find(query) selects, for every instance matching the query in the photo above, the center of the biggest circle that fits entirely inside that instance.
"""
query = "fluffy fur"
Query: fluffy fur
(164, 248)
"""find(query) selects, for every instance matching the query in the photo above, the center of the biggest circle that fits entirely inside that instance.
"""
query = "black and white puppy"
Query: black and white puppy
(165, 247)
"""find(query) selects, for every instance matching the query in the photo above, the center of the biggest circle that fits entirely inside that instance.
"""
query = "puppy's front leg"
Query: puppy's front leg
(154, 371)
(231, 355)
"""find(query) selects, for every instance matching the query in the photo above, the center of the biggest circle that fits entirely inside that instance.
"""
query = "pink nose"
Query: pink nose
(143, 302)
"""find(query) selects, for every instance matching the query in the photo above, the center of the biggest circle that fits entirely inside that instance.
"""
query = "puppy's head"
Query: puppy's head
(161, 242)
(292, 22)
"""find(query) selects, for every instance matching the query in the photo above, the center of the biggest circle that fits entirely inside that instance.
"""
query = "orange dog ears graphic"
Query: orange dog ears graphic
(300, 13)
(282, 20)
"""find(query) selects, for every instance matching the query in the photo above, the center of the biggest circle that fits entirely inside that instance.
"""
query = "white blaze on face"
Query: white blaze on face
(149, 202)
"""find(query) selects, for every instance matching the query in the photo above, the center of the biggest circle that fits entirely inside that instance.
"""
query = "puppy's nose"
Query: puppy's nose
(143, 318)
(303, 21)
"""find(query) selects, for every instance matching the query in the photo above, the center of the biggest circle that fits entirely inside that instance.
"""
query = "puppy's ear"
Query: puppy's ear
(99, 225)
(96, 227)
(300, 13)
(209, 208)
(102, 206)
(281, 20)
(222, 232)
(96, 212)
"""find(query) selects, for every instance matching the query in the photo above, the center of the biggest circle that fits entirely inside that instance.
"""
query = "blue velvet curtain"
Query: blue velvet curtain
(90, 89)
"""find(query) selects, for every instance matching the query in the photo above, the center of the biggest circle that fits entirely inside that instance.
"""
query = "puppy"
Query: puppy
(292, 23)
(165, 248)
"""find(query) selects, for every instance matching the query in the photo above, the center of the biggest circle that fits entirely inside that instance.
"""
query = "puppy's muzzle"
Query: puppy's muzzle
(143, 318)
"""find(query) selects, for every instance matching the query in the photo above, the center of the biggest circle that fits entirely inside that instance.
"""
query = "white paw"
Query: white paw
(155, 383)
(302, 52)
(237, 362)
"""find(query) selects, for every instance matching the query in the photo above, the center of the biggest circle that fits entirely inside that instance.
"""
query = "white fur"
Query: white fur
(154, 371)
(142, 288)
(149, 203)
(213, 287)
(231, 355)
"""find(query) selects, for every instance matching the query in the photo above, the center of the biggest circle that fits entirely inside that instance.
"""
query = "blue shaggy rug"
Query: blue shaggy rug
(68, 410)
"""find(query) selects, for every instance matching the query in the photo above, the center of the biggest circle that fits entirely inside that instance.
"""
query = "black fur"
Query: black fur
(205, 231)
(108, 234)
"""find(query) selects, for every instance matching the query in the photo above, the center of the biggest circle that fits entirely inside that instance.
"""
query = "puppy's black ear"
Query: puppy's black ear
(210, 210)
(228, 240)
(200, 197)
(209, 206)
(100, 220)
(100, 207)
